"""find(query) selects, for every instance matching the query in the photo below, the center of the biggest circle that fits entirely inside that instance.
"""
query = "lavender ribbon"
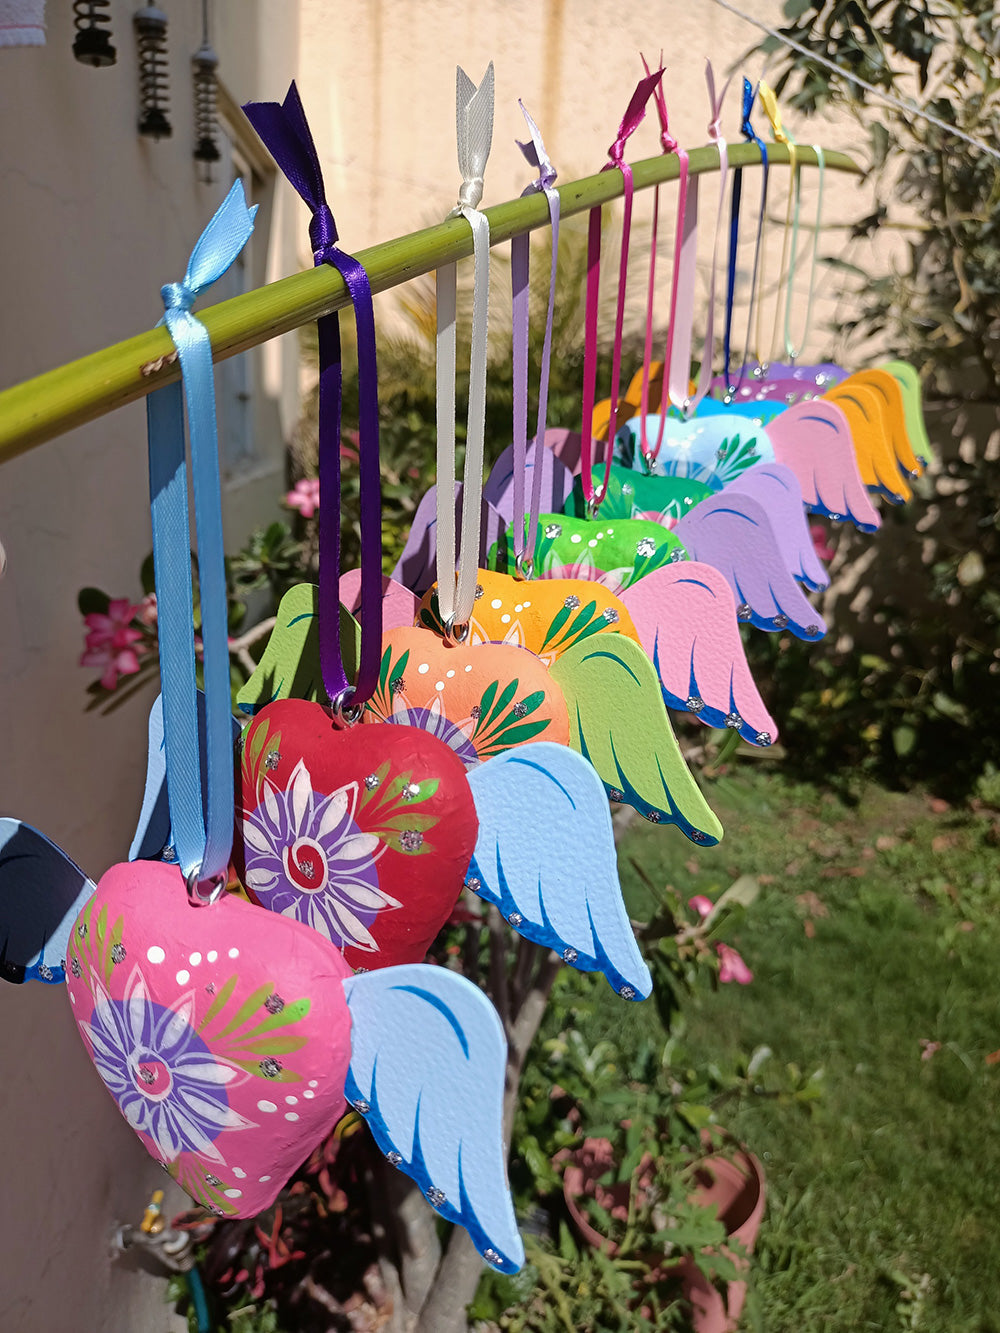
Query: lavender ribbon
(536, 156)
(285, 132)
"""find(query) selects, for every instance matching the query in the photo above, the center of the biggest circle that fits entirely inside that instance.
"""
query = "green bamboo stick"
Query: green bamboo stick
(80, 391)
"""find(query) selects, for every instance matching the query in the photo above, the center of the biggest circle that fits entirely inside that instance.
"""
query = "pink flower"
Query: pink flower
(304, 496)
(700, 904)
(147, 610)
(820, 544)
(104, 628)
(732, 966)
(930, 1048)
(115, 655)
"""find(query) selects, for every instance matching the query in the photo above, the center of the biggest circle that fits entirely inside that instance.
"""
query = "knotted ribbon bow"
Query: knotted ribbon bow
(202, 841)
(285, 132)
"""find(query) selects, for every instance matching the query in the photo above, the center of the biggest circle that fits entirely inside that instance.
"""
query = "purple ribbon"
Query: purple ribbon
(284, 131)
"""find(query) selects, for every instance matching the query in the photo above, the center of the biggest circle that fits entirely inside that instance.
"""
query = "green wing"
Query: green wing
(618, 721)
(290, 667)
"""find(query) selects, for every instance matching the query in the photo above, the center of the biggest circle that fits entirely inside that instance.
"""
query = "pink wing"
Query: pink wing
(399, 605)
(686, 619)
(734, 533)
(778, 490)
(814, 440)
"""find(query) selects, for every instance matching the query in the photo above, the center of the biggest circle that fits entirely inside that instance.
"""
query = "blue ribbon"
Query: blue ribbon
(750, 135)
(202, 842)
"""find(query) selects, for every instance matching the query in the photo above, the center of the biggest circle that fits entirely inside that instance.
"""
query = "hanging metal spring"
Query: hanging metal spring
(92, 43)
(205, 63)
(151, 32)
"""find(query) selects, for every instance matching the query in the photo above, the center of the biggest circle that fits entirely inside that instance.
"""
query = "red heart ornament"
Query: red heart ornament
(364, 835)
(222, 1033)
(479, 698)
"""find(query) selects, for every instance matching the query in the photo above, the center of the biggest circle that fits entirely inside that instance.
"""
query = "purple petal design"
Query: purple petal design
(306, 858)
(166, 1081)
(434, 721)
(557, 481)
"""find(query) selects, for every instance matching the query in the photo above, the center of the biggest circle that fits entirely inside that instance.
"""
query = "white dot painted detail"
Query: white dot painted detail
(308, 1094)
(469, 667)
(233, 1194)
(423, 669)
(195, 959)
(592, 542)
(211, 955)
(496, 604)
(183, 977)
(155, 954)
(576, 537)
(266, 1106)
(449, 674)
(519, 607)
(291, 1101)
(314, 1083)
(239, 1173)
(291, 1115)
(439, 684)
(234, 953)
(263, 1179)
(526, 605)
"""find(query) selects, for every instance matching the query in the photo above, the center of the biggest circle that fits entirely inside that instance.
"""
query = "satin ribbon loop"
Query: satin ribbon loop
(769, 102)
(456, 579)
(202, 833)
(715, 103)
(667, 141)
(285, 132)
(634, 114)
(524, 534)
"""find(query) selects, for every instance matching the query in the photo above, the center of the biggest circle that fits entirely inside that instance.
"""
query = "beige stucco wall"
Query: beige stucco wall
(94, 220)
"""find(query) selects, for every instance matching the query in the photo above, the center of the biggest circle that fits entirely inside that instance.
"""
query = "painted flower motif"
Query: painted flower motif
(612, 579)
(433, 720)
(731, 966)
(304, 496)
(167, 1083)
(308, 859)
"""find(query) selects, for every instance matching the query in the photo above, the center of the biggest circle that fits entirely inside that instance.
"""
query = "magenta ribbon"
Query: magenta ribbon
(634, 114)
(284, 131)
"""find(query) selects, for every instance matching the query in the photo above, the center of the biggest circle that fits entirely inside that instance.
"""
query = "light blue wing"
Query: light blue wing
(41, 894)
(428, 1063)
(152, 832)
(545, 857)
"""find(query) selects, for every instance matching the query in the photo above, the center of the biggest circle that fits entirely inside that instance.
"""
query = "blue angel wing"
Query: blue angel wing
(427, 1071)
(41, 894)
(152, 832)
(545, 856)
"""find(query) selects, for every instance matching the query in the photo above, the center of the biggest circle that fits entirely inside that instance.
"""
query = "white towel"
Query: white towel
(22, 22)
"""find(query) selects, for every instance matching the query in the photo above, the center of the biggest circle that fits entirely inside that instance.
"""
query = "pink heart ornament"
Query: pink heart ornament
(221, 1032)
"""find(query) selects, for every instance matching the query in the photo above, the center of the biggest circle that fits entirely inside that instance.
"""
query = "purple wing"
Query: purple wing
(415, 568)
(733, 533)
(778, 490)
(814, 440)
(557, 481)
(686, 619)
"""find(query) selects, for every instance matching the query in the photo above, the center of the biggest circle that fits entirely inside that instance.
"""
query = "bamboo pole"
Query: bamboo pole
(80, 391)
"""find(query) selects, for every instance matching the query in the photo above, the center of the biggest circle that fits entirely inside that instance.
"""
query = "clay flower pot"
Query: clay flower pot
(737, 1187)
(735, 1184)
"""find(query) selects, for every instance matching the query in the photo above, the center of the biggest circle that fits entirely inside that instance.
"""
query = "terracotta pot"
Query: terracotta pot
(735, 1184)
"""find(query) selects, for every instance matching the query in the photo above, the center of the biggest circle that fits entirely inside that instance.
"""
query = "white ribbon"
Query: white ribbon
(457, 585)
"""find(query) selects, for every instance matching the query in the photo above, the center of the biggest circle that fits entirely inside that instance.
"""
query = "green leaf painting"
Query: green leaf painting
(290, 665)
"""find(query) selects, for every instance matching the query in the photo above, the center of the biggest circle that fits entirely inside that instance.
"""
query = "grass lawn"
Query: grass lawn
(875, 933)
